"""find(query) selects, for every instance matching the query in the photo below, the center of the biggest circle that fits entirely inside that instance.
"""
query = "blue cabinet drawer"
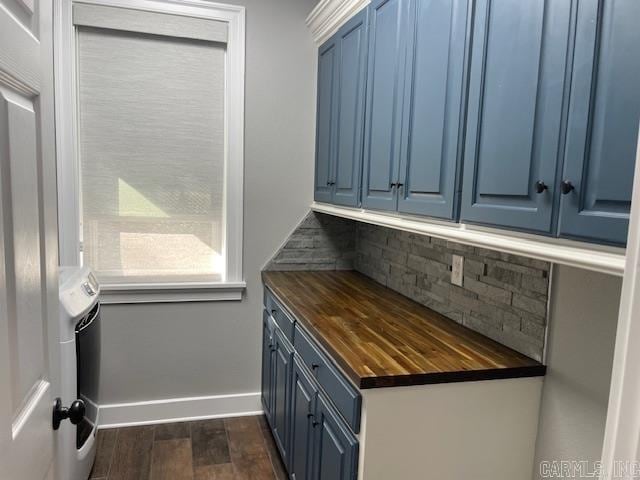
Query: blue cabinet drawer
(342, 393)
(284, 322)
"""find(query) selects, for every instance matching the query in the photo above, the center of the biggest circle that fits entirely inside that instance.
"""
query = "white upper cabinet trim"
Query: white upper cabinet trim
(608, 260)
(325, 19)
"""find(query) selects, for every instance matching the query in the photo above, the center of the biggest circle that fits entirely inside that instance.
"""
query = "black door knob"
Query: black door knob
(540, 186)
(75, 412)
(566, 187)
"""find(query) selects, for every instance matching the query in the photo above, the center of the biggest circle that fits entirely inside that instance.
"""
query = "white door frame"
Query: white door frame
(26, 76)
(622, 433)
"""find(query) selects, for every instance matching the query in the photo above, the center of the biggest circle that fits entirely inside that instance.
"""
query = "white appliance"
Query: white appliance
(80, 367)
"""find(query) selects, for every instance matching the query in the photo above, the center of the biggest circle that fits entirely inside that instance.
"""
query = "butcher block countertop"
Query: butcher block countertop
(380, 338)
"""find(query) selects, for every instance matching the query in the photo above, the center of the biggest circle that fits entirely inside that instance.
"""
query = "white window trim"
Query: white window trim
(67, 150)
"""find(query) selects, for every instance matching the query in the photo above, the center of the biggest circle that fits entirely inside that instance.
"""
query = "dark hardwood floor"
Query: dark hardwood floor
(240, 448)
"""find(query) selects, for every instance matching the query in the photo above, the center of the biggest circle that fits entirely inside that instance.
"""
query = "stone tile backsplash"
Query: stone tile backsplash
(319, 242)
(503, 296)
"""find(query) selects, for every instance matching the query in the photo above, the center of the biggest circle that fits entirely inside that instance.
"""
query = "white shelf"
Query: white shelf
(598, 258)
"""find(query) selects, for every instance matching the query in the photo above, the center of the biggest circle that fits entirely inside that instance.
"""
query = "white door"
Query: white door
(28, 242)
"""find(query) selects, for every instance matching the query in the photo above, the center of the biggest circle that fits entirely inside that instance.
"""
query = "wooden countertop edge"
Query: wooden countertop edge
(452, 377)
(387, 381)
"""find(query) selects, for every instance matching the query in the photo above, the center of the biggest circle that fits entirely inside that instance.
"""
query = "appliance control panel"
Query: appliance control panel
(91, 285)
(79, 290)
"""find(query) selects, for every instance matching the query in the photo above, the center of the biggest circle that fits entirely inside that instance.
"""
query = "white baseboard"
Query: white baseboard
(179, 409)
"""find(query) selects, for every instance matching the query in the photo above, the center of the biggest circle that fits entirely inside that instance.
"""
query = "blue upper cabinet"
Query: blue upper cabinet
(534, 103)
(388, 21)
(326, 124)
(603, 120)
(434, 107)
(352, 62)
(516, 91)
(340, 122)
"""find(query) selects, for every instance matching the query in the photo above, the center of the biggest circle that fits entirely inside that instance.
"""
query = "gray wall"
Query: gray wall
(582, 328)
(179, 350)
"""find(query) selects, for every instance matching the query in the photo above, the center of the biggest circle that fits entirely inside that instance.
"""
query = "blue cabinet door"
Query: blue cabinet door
(388, 22)
(434, 107)
(303, 399)
(516, 91)
(603, 120)
(352, 61)
(335, 447)
(282, 367)
(326, 121)
(268, 356)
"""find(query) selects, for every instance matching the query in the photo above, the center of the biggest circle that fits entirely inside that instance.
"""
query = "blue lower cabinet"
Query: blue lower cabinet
(303, 405)
(604, 113)
(315, 440)
(268, 356)
(335, 452)
(282, 368)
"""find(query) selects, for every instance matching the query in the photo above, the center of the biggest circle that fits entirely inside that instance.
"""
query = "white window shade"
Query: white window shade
(151, 141)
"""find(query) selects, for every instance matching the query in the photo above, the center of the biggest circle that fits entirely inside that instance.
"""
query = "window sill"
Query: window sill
(170, 292)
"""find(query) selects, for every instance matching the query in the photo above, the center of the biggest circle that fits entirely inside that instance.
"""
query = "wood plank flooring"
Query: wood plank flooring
(239, 448)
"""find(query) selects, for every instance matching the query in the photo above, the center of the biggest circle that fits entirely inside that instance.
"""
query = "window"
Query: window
(157, 148)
